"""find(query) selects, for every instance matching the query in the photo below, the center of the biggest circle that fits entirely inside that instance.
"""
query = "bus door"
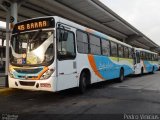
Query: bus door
(137, 61)
(137, 57)
(134, 56)
(66, 63)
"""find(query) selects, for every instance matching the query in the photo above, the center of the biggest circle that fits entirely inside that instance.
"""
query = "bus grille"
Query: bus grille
(27, 83)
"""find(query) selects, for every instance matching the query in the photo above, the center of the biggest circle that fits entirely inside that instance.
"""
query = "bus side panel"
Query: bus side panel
(127, 64)
(155, 64)
(148, 66)
(107, 68)
(83, 63)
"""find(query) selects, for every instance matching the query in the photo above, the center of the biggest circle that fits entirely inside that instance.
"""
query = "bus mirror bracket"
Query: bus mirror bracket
(65, 36)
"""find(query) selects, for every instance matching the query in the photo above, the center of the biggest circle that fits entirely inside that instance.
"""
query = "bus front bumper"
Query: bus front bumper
(39, 85)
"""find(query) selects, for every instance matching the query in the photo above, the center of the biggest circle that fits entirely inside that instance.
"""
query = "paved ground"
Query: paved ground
(139, 95)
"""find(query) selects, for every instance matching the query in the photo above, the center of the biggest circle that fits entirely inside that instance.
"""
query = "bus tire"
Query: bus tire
(83, 83)
(152, 70)
(121, 75)
(142, 71)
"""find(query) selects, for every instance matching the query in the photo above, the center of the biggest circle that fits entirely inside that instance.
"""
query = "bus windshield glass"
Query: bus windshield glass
(32, 48)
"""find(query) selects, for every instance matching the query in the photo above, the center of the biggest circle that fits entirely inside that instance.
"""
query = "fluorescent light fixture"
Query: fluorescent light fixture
(2, 24)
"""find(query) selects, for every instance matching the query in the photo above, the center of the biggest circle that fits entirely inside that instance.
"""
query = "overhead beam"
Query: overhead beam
(3, 7)
(76, 16)
(132, 38)
(151, 42)
(140, 45)
(111, 14)
(155, 49)
(29, 12)
(37, 9)
(115, 18)
(20, 2)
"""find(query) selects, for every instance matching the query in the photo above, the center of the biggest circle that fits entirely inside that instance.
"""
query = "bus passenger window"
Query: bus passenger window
(95, 45)
(130, 53)
(113, 49)
(120, 51)
(126, 52)
(66, 44)
(105, 47)
(82, 42)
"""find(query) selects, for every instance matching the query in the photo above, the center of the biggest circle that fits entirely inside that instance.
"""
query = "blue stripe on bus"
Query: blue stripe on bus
(108, 69)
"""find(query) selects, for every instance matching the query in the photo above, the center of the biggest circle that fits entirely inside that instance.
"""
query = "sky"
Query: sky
(142, 14)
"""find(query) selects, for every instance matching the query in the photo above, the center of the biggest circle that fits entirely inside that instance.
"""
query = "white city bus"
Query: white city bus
(53, 54)
(145, 61)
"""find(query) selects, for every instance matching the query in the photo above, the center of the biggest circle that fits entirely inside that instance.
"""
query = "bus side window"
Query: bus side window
(126, 52)
(82, 42)
(105, 47)
(66, 44)
(114, 51)
(130, 53)
(120, 51)
(95, 45)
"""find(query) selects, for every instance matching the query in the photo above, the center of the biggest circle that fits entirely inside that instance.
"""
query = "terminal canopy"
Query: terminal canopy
(90, 13)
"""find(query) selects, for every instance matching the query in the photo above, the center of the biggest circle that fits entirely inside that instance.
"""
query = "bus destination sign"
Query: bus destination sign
(34, 24)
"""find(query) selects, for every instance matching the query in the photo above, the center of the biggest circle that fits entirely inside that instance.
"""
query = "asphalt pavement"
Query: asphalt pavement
(137, 96)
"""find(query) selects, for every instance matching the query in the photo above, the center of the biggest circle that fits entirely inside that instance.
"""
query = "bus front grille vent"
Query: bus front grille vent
(27, 83)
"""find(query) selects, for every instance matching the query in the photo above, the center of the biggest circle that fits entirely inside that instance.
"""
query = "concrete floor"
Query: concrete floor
(107, 100)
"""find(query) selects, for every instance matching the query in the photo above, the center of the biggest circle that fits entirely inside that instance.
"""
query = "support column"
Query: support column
(14, 11)
(11, 12)
(7, 47)
(2, 51)
(1, 62)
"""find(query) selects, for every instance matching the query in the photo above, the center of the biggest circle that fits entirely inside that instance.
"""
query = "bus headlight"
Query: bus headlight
(47, 74)
(11, 74)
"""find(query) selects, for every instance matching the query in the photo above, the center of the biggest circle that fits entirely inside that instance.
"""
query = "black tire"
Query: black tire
(142, 71)
(152, 70)
(83, 83)
(121, 76)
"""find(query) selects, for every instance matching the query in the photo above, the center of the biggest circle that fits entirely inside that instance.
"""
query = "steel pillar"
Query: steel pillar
(12, 11)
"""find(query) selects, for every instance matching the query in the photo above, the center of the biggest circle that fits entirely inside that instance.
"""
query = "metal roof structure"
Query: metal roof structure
(90, 13)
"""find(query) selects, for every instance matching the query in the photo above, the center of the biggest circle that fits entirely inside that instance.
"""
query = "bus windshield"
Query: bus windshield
(32, 48)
